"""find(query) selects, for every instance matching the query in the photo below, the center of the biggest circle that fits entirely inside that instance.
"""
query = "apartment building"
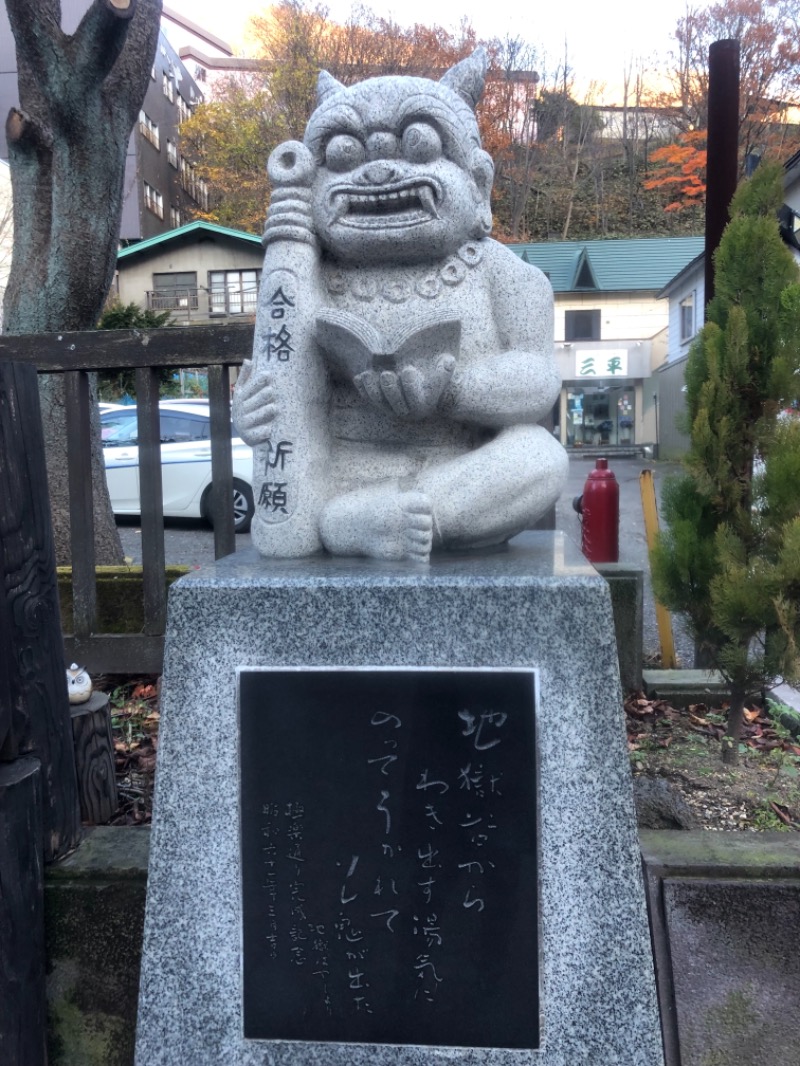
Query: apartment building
(161, 186)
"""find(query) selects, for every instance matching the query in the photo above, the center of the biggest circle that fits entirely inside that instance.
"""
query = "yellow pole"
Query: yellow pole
(663, 618)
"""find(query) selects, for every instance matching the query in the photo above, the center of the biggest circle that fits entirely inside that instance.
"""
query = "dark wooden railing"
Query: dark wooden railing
(76, 355)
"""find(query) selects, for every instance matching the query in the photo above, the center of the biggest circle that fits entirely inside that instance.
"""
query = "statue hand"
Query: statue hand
(254, 407)
(410, 393)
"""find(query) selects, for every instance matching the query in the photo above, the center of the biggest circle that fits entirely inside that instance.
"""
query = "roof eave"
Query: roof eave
(681, 275)
(184, 231)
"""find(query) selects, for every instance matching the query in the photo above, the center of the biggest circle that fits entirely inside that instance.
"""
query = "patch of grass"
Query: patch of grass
(767, 821)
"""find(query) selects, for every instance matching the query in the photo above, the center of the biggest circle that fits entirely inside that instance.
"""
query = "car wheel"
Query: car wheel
(243, 506)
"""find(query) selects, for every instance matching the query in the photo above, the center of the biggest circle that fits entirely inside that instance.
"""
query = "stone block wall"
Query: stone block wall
(94, 921)
(626, 585)
(725, 918)
(725, 921)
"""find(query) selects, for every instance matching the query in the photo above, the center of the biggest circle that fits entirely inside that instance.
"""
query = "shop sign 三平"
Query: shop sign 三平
(601, 364)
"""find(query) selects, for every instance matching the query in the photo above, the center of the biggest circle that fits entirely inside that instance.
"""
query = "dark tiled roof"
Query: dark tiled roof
(643, 264)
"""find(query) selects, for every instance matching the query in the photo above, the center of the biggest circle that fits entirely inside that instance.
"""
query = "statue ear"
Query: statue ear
(483, 172)
(467, 77)
(327, 86)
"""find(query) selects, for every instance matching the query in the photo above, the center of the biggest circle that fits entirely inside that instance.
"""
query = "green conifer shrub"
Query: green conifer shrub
(729, 559)
(114, 384)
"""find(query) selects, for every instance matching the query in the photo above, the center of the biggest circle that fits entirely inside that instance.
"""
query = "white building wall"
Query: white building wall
(624, 316)
(693, 283)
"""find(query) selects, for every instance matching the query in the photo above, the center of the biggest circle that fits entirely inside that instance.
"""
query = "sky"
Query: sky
(602, 38)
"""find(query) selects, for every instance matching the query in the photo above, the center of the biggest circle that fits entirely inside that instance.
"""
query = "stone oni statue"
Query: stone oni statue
(402, 359)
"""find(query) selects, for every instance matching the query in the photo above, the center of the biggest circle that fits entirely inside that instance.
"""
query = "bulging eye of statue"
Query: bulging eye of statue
(344, 152)
(421, 143)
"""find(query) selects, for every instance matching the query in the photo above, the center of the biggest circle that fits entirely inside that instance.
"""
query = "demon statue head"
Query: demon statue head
(400, 168)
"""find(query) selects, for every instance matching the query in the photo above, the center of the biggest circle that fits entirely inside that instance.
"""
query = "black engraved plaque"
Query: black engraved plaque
(389, 873)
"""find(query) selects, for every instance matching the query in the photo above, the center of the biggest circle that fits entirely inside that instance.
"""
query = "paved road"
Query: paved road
(191, 542)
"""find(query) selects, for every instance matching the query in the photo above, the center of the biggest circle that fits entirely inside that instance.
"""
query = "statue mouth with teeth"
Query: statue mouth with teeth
(403, 203)
(402, 359)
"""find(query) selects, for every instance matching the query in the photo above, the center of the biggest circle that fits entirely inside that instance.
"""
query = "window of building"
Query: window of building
(175, 217)
(149, 130)
(174, 291)
(582, 325)
(168, 86)
(599, 415)
(686, 307)
(194, 185)
(233, 292)
(184, 109)
(153, 200)
(585, 278)
(172, 153)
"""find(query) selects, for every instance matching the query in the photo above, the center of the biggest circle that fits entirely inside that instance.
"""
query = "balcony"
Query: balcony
(189, 306)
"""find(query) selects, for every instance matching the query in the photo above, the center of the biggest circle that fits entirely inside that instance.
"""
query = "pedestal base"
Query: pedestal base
(542, 608)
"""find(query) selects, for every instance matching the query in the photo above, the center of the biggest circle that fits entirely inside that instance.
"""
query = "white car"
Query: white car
(185, 463)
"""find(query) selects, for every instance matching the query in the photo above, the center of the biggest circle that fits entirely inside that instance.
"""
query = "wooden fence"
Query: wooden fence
(39, 799)
(76, 355)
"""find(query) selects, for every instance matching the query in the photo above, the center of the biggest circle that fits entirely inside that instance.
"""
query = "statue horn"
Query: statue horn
(327, 86)
(467, 77)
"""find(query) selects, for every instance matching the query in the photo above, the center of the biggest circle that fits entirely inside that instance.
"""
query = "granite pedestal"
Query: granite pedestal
(540, 607)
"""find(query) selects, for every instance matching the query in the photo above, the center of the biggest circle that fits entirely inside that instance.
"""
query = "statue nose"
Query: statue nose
(379, 172)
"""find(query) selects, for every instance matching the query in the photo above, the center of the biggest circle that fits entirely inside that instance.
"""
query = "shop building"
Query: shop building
(611, 327)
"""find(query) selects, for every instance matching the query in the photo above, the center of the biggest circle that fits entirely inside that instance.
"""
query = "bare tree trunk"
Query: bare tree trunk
(79, 98)
(730, 742)
(573, 179)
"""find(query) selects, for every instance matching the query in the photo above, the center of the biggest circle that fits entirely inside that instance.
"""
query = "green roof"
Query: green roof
(186, 231)
(641, 263)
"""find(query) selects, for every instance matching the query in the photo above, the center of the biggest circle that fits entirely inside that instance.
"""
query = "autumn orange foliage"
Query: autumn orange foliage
(680, 169)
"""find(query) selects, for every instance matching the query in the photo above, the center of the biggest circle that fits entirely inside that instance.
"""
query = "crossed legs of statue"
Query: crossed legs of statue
(475, 499)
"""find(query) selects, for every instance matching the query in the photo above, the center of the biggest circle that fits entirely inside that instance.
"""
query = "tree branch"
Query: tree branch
(37, 20)
(24, 131)
(100, 39)
(38, 37)
(124, 9)
(128, 81)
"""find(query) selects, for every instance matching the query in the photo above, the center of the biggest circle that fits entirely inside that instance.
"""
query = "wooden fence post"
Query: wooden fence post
(22, 959)
(31, 645)
(39, 815)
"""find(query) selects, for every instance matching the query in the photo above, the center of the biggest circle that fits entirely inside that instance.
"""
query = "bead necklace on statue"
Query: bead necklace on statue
(365, 286)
